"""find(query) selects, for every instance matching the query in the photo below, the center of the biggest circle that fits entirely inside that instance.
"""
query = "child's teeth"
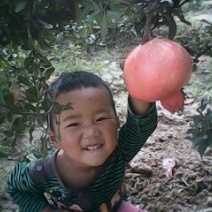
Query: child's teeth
(93, 147)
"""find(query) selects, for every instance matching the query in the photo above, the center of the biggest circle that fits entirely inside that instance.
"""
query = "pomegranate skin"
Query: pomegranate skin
(156, 69)
(174, 102)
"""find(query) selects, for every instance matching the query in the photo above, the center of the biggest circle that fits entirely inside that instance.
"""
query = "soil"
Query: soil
(168, 174)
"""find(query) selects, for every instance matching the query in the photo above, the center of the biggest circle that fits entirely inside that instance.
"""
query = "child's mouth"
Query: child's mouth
(94, 147)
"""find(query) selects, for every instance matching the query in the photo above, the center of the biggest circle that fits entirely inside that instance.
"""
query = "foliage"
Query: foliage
(24, 21)
(114, 18)
(23, 79)
(201, 128)
(69, 56)
(24, 69)
(74, 56)
(199, 40)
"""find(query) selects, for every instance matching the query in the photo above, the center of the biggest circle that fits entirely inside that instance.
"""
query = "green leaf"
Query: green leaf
(210, 137)
(43, 60)
(20, 6)
(8, 133)
(29, 107)
(24, 80)
(47, 37)
(191, 131)
(41, 119)
(28, 61)
(94, 16)
(3, 63)
(49, 72)
(9, 99)
(206, 123)
(58, 108)
(82, 13)
(17, 122)
(104, 27)
(197, 119)
(202, 147)
(31, 94)
(96, 6)
(114, 14)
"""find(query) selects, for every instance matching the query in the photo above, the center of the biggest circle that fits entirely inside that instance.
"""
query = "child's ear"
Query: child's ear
(53, 141)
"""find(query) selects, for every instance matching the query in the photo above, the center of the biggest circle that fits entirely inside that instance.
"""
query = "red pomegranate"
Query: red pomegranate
(158, 70)
(174, 102)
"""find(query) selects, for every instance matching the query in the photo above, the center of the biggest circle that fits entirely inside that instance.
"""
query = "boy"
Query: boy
(86, 171)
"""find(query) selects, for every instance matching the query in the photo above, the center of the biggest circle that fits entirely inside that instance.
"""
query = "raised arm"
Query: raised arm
(139, 107)
(141, 123)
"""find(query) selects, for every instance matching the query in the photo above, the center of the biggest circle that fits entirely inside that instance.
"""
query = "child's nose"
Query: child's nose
(91, 131)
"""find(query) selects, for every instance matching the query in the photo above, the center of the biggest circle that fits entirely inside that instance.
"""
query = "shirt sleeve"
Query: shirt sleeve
(135, 132)
(22, 191)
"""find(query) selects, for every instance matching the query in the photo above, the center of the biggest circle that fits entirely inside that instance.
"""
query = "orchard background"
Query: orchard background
(39, 39)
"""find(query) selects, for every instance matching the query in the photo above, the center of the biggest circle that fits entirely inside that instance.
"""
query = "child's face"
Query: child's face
(88, 132)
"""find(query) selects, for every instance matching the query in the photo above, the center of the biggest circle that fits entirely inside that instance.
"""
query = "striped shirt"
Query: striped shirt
(35, 184)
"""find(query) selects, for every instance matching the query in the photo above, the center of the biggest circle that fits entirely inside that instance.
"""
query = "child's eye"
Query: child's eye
(101, 119)
(73, 125)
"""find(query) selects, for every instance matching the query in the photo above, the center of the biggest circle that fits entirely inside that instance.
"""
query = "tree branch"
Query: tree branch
(147, 28)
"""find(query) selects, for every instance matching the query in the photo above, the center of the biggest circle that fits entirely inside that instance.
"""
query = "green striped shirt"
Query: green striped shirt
(33, 185)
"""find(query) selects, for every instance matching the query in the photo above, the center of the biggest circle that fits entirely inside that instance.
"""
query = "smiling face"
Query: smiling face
(88, 132)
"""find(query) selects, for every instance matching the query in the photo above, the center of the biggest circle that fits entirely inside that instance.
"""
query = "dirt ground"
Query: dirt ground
(188, 187)
(167, 175)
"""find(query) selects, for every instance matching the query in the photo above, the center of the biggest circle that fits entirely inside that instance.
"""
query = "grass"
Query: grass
(76, 58)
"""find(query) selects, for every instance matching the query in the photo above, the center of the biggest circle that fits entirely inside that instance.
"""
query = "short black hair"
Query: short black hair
(76, 80)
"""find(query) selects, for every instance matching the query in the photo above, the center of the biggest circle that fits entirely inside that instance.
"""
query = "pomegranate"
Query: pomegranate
(157, 70)
(174, 102)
